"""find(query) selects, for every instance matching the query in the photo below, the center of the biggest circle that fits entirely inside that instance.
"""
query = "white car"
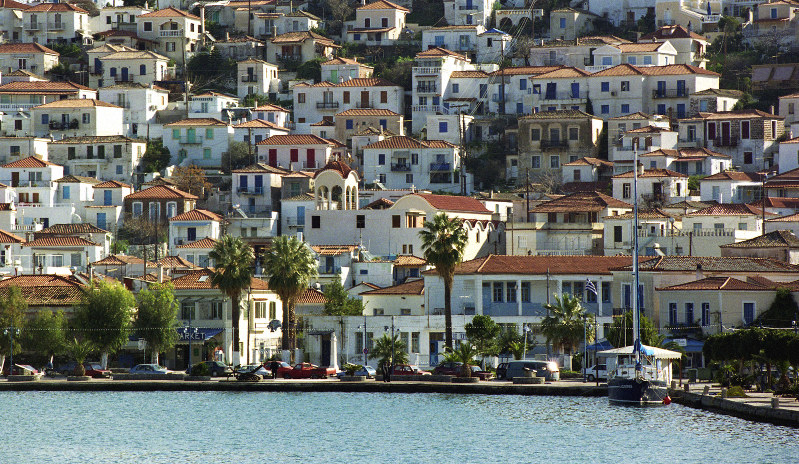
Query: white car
(598, 371)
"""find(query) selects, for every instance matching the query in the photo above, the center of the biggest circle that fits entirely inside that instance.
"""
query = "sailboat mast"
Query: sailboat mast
(636, 327)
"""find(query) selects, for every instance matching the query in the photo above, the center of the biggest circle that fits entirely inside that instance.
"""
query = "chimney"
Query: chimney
(160, 273)
(699, 274)
(274, 31)
(640, 169)
(227, 36)
(771, 108)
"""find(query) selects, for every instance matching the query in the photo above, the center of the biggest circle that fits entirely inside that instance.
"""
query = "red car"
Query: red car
(407, 369)
(309, 371)
(96, 370)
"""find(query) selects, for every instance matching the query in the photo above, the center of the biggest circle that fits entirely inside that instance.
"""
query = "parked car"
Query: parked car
(310, 371)
(597, 371)
(480, 373)
(96, 370)
(501, 370)
(547, 369)
(367, 371)
(284, 369)
(21, 369)
(448, 368)
(152, 369)
(215, 368)
(407, 369)
(258, 369)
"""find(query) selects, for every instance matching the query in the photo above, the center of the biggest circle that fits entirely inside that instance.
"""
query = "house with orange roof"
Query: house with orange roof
(113, 15)
(33, 57)
(402, 162)
(140, 66)
(269, 21)
(313, 102)
(732, 187)
(569, 23)
(59, 254)
(141, 102)
(107, 208)
(586, 170)
(690, 46)
(10, 252)
(657, 187)
(211, 104)
(158, 203)
(560, 88)
(256, 77)
(27, 94)
(256, 189)
(299, 47)
(620, 124)
(576, 52)
(193, 225)
(78, 117)
(340, 69)
(351, 122)
(773, 21)
(108, 157)
(10, 18)
(254, 131)
(197, 251)
(749, 136)
(197, 141)
(273, 113)
(55, 23)
(176, 32)
(789, 222)
(459, 12)
(636, 54)
(296, 151)
(789, 109)
(45, 292)
(695, 15)
(377, 23)
(690, 161)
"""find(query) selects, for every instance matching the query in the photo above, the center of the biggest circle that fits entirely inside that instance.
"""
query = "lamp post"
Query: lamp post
(585, 347)
(391, 362)
(190, 331)
(10, 331)
(526, 331)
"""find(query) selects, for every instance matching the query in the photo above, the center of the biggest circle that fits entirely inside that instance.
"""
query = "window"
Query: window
(117, 151)
(748, 157)
(315, 220)
(408, 178)
(535, 162)
(790, 108)
(260, 309)
(744, 129)
(577, 175)
(554, 161)
(119, 169)
(625, 86)
(300, 98)
(625, 190)
(148, 26)
(414, 158)
(749, 313)
(215, 311)
(605, 109)
(381, 159)
(137, 208)
(65, 192)
(705, 314)
(689, 313)
(456, 88)
(535, 134)
(272, 310)
(442, 126)
(563, 23)
(170, 46)
(90, 152)
(523, 84)
(71, 153)
(607, 61)
(349, 124)
(511, 292)
(672, 314)
(647, 60)
(360, 221)
(206, 153)
(605, 86)
(209, 134)
(414, 342)
(396, 220)
(45, 119)
(574, 133)
(773, 13)
(498, 292)
(101, 151)
(625, 108)
(383, 123)
(383, 97)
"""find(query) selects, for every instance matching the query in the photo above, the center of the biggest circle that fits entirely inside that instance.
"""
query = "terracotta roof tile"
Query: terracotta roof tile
(29, 162)
(259, 124)
(45, 290)
(562, 72)
(8, 237)
(25, 48)
(333, 250)
(735, 175)
(590, 161)
(409, 260)
(633, 116)
(56, 241)
(77, 103)
(335, 165)
(169, 12)
(70, 179)
(652, 173)
(67, 229)
(270, 107)
(453, 203)
(294, 37)
(206, 242)
(776, 202)
(340, 60)
(368, 112)
(112, 184)
(672, 32)
(789, 218)
(775, 239)
(729, 209)
(655, 213)
(525, 70)
(197, 215)
(716, 283)
(405, 142)
(468, 74)
(639, 47)
(11, 4)
(311, 296)
(413, 287)
(161, 192)
(175, 262)
(262, 168)
(42, 87)
(383, 5)
(119, 260)
(737, 114)
(56, 7)
(294, 139)
(580, 202)
(380, 203)
(559, 114)
(539, 265)
(96, 139)
(713, 264)
(438, 51)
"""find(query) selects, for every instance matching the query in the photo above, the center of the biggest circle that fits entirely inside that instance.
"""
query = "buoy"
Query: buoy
(667, 400)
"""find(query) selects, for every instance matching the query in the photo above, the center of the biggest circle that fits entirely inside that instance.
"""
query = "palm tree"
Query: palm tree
(382, 350)
(290, 266)
(233, 272)
(443, 241)
(465, 354)
(80, 350)
(565, 324)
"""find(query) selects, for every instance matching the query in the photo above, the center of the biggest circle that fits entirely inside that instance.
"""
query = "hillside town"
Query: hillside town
(141, 146)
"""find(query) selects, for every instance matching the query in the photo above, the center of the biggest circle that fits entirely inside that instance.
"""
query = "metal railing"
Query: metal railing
(249, 78)
(426, 70)
(250, 190)
(55, 125)
(440, 167)
(329, 270)
(670, 93)
(196, 140)
(554, 144)
(326, 105)
(400, 167)
(171, 33)
(429, 109)
(427, 88)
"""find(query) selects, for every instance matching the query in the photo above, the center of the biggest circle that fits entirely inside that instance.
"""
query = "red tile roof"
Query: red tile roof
(45, 290)
(737, 114)
(405, 142)
(29, 162)
(26, 48)
(47, 87)
(161, 192)
(311, 296)
(580, 202)
(672, 32)
(368, 112)
(335, 165)
(175, 262)
(119, 260)
(112, 184)
(383, 5)
(333, 250)
(652, 173)
(729, 209)
(735, 175)
(717, 283)
(197, 215)
(453, 203)
(590, 161)
(259, 124)
(294, 139)
(8, 237)
(438, 51)
(56, 7)
(206, 242)
(270, 107)
(58, 242)
(414, 287)
(77, 103)
(170, 12)
(71, 229)
(409, 261)
(11, 4)
(712, 264)
(540, 265)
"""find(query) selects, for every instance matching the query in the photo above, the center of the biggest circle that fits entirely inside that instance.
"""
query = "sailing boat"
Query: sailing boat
(638, 374)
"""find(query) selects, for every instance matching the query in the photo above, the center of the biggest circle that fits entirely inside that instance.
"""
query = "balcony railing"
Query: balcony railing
(326, 105)
(400, 167)
(427, 88)
(711, 18)
(250, 190)
(426, 70)
(670, 93)
(364, 104)
(565, 95)
(467, 7)
(714, 232)
(33, 26)
(287, 57)
(295, 221)
(196, 140)
(329, 270)
(729, 142)
(15, 106)
(440, 167)
(545, 144)
(55, 26)
(55, 125)
(430, 109)
(249, 78)
(171, 33)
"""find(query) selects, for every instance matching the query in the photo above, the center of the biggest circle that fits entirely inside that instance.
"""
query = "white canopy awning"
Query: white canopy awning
(659, 353)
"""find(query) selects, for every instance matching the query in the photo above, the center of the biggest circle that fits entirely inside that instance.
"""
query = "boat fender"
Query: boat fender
(667, 400)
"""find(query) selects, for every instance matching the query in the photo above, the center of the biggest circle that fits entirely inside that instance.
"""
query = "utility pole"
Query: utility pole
(249, 18)
(527, 195)
(548, 347)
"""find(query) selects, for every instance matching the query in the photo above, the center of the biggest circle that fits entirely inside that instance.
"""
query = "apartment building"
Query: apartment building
(256, 77)
(377, 23)
(80, 117)
(176, 32)
(55, 23)
(32, 57)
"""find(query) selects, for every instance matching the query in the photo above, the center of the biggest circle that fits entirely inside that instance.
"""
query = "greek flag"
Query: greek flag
(590, 286)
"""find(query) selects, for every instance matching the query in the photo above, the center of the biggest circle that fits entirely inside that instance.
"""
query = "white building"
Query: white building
(32, 57)
(143, 67)
(109, 157)
(176, 32)
(193, 225)
(55, 22)
(468, 11)
(141, 103)
(197, 141)
(82, 117)
(296, 151)
(656, 186)
(378, 23)
(253, 132)
(731, 187)
(257, 77)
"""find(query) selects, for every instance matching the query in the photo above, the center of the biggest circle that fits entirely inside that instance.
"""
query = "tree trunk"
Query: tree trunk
(448, 313)
(104, 359)
(292, 332)
(3, 363)
(154, 356)
(284, 338)
(235, 315)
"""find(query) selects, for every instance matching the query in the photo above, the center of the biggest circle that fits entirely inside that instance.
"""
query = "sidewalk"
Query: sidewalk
(755, 406)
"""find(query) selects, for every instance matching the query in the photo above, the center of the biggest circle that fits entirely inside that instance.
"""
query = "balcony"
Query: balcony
(400, 167)
(17, 106)
(554, 144)
(295, 221)
(725, 142)
(467, 7)
(440, 167)
(249, 78)
(714, 232)
(364, 104)
(196, 140)
(60, 126)
(171, 33)
(291, 57)
(565, 95)
(426, 88)
(429, 109)
(55, 26)
(329, 270)
(711, 18)
(670, 93)
(33, 27)
(324, 105)
(427, 71)
(250, 190)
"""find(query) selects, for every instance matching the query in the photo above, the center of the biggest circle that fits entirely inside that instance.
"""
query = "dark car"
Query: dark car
(448, 368)
(93, 369)
(502, 370)
(215, 368)
(481, 374)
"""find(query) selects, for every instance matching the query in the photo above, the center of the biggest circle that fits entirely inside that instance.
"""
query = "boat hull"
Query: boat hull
(636, 391)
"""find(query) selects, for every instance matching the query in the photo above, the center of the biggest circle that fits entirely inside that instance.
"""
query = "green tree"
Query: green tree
(156, 156)
(44, 334)
(565, 324)
(311, 69)
(339, 303)
(381, 350)
(156, 318)
(79, 349)
(12, 315)
(443, 241)
(482, 332)
(512, 342)
(782, 312)
(620, 332)
(465, 354)
(237, 156)
(232, 275)
(290, 267)
(104, 316)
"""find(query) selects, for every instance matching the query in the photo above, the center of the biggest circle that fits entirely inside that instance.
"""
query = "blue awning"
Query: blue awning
(198, 334)
(603, 345)
(690, 346)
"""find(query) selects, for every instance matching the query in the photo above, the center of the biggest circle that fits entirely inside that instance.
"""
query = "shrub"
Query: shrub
(200, 369)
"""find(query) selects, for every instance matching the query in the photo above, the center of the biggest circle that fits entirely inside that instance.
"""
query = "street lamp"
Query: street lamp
(526, 331)
(392, 342)
(190, 331)
(11, 331)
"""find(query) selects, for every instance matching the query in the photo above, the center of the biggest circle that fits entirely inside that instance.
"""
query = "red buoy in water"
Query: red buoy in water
(667, 400)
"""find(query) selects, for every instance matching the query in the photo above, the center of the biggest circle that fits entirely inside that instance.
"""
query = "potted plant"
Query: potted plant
(464, 354)
(80, 350)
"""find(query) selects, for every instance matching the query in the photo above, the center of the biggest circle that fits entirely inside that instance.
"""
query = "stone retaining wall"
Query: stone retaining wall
(789, 417)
